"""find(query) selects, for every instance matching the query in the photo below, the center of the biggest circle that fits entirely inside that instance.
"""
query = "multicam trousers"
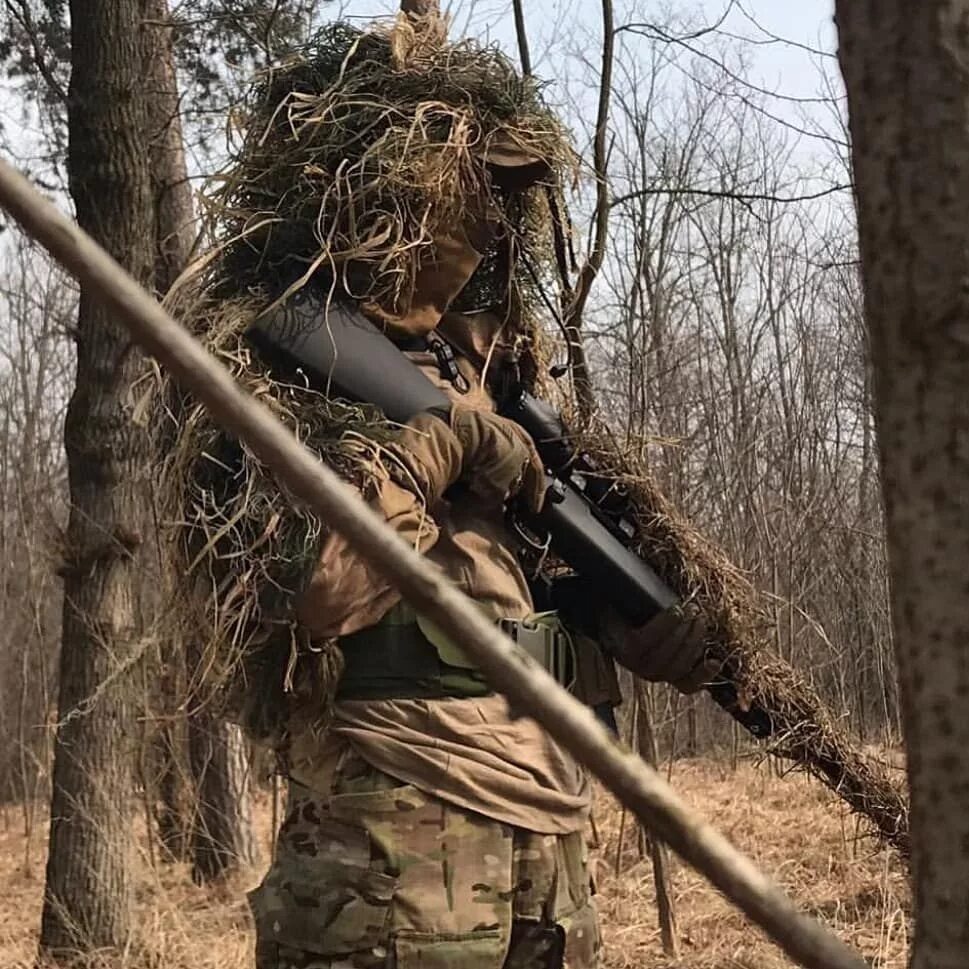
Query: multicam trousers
(382, 876)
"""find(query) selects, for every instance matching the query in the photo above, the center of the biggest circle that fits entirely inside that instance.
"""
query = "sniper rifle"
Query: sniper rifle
(584, 519)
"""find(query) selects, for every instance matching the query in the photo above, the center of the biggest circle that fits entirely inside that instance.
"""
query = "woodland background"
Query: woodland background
(725, 333)
(725, 337)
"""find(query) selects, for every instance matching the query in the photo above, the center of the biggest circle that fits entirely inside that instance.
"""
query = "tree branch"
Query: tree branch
(522, 35)
(587, 275)
(731, 196)
(655, 32)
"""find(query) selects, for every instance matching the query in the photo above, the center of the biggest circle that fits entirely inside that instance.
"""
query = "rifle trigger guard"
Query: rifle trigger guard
(542, 547)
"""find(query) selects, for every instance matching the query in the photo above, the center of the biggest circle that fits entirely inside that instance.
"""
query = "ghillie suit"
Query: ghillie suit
(360, 157)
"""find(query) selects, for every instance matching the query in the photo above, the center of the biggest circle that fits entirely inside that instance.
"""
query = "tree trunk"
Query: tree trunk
(168, 786)
(174, 236)
(222, 833)
(168, 792)
(175, 212)
(662, 881)
(87, 888)
(908, 97)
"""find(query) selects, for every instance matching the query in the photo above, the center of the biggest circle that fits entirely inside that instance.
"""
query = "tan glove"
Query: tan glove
(500, 460)
(489, 454)
(670, 648)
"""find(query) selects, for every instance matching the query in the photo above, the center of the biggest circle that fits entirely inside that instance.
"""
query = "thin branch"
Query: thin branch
(730, 196)
(522, 35)
(747, 102)
(658, 33)
(713, 28)
(529, 688)
(21, 13)
(772, 38)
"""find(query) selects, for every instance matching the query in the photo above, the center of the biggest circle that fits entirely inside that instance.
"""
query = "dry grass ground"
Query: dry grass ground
(796, 830)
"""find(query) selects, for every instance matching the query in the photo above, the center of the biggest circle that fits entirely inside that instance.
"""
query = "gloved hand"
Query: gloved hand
(670, 648)
(500, 460)
(492, 456)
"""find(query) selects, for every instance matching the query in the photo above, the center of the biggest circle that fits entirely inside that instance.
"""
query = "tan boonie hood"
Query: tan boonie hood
(458, 252)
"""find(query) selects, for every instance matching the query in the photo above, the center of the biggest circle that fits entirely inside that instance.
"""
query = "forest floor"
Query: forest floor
(791, 826)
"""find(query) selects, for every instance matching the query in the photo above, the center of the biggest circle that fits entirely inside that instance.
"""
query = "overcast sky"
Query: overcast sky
(783, 67)
(553, 25)
(778, 39)
(785, 43)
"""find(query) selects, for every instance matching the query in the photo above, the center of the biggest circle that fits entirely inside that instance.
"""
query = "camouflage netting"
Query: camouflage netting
(356, 155)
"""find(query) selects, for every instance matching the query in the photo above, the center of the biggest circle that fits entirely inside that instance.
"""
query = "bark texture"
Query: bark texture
(87, 889)
(906, 68)
(222, 837)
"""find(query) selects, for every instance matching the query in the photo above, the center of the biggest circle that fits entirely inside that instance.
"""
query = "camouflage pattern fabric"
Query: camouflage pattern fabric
(382, 875)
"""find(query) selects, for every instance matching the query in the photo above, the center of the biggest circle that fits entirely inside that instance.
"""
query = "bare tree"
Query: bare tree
(727, 335)
(87, 896)
(34, 366)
